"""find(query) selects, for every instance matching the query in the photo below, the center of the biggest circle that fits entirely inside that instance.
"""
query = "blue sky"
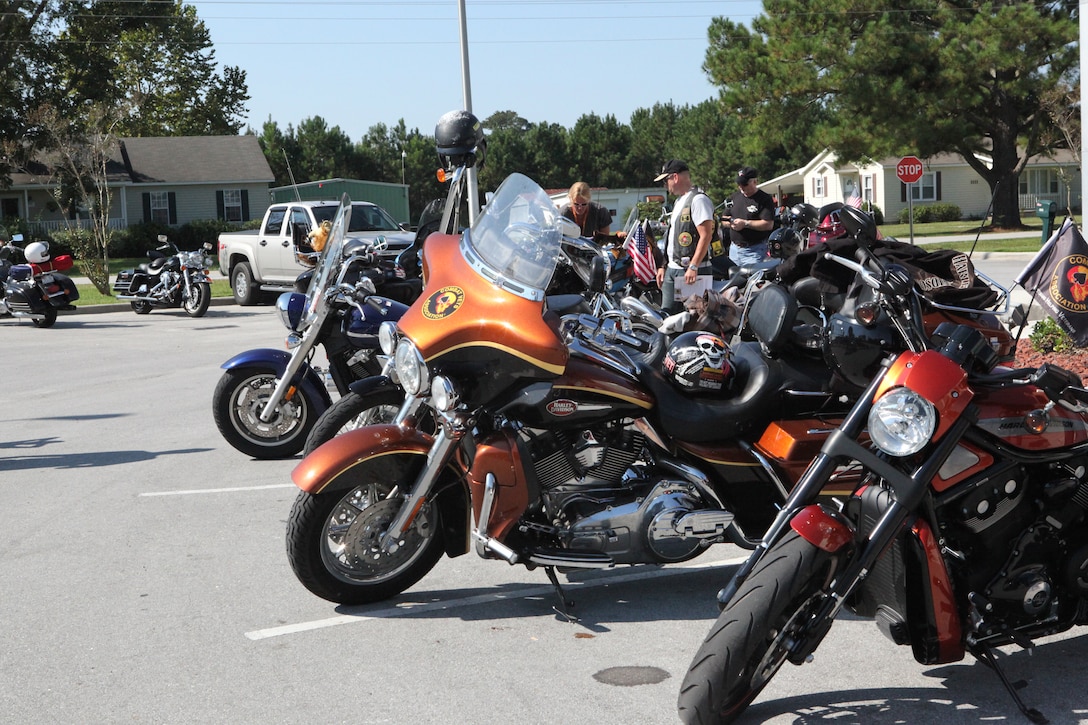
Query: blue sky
(357, 64)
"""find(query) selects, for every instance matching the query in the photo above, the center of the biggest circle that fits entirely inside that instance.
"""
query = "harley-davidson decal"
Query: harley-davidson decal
(562, 407)
(443, 303)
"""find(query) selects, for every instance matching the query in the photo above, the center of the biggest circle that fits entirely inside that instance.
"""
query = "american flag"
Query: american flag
(638, 246)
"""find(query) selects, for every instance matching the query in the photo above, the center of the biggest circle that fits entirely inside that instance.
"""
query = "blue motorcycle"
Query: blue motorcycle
(268, 400)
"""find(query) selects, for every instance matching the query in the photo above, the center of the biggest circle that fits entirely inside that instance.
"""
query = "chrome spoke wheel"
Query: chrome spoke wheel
(354, 533)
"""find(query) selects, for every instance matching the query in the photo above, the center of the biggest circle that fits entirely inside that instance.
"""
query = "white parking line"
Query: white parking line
(195, 491)
(400, 610)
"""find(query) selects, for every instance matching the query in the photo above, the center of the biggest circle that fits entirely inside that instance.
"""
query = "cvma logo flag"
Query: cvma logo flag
(1058, 278)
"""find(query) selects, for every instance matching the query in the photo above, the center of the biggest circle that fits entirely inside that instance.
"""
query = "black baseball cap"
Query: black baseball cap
(672, 166)
(746, 173)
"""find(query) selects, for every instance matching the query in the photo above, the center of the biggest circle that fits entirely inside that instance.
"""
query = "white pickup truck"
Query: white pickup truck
(264, 260)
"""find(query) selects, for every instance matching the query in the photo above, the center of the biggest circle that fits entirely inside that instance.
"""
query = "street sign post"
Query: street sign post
(909, 171)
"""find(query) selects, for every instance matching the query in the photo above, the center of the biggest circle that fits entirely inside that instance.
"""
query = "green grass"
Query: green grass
(932, 229)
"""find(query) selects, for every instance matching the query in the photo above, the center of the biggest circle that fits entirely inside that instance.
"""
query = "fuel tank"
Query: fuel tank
(1016, 415)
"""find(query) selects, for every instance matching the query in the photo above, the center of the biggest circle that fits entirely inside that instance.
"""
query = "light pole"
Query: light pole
(403, 156)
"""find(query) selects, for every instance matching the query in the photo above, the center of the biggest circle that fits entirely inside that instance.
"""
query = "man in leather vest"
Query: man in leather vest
(691, 230)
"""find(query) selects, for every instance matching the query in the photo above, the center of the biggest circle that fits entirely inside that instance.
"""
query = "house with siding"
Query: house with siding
(170, 180)
(945, 178)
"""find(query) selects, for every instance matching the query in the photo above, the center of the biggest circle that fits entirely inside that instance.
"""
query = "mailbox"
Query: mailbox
(1045, 211)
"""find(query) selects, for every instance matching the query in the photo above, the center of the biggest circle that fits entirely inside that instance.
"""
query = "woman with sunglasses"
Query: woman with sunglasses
(593, 219)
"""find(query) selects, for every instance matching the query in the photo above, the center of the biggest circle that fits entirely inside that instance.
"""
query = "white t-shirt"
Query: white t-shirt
(702, 209)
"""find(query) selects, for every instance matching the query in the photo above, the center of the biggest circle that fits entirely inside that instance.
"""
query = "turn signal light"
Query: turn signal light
(1037, 421)
(867, 313)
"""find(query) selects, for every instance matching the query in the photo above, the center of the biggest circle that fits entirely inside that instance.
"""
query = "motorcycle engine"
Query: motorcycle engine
(1029, 550)
(601, 498)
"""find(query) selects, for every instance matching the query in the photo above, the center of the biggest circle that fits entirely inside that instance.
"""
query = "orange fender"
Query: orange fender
(317, 470)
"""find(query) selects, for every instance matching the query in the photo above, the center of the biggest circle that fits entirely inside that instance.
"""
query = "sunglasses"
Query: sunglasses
(580, 203)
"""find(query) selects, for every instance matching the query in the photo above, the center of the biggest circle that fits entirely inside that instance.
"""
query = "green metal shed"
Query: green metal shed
(391, 197)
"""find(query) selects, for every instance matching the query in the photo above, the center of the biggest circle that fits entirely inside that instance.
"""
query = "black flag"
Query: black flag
(1058, 275)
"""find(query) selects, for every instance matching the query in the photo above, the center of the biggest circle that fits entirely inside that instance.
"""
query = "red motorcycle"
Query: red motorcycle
(966, 529)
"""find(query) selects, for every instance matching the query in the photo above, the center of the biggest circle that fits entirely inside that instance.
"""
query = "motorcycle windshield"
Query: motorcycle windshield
(515, 242)
(328, 263)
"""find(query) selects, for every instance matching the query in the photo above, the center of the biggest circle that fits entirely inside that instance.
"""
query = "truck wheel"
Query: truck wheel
(246, 291)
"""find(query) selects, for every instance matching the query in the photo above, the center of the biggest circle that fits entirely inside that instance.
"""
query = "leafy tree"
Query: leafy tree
(25, 44)
(279, 149)
(872, 78)
(501, 120)
(155, 56)
(84, 157)
(323, 152)
(652, 136)
(598, 150)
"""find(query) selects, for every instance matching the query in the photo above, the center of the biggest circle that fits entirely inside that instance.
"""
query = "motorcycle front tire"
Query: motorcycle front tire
(237, 402)
(196, 304)
(333, 537)
(746, 646)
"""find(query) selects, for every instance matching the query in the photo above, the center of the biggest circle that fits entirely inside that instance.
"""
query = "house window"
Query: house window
(232, 205)
(925, 189)
(160, 207)
(867, 193)
(818, 186)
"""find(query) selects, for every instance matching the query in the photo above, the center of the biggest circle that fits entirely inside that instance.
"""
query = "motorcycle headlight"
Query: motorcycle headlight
(410, 366)
(387, 337)
(443, 394)
(902, 422)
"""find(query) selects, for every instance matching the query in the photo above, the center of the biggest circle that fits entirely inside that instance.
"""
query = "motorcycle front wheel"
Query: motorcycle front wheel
(750, 640)
(334, 538)
(239, 398)
(196, 304)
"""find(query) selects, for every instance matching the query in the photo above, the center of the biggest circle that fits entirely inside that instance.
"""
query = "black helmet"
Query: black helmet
(699, 362)
(459, 139)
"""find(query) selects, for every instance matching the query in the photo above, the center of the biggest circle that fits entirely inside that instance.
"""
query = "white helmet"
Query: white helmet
(37, 253)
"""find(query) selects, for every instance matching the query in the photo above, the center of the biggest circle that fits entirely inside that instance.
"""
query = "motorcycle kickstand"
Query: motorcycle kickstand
(564, 603)
(986, 656)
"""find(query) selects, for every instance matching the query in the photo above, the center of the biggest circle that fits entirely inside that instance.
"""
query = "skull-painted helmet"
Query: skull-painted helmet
(699, 362)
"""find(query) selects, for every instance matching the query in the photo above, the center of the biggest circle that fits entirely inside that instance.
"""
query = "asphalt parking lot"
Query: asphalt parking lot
(143, 580)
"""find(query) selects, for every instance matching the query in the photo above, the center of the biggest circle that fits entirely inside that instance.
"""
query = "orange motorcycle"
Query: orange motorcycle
(563, 441)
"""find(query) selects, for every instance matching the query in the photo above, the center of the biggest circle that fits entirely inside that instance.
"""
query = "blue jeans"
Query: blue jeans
(748, 255)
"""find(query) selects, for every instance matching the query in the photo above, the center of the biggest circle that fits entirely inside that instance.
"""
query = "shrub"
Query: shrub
(924, 213)
(1048, 336)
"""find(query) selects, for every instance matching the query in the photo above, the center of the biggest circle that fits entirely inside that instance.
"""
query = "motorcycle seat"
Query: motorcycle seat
(762, 390)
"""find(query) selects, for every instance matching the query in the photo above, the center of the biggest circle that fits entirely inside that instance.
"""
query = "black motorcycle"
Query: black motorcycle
(177, 279)
(37, 289)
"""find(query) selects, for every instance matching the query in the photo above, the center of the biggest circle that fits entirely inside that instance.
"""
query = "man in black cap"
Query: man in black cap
(691, 231)
(752, 219)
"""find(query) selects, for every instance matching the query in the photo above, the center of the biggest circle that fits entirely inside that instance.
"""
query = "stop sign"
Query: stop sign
(909, 169)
